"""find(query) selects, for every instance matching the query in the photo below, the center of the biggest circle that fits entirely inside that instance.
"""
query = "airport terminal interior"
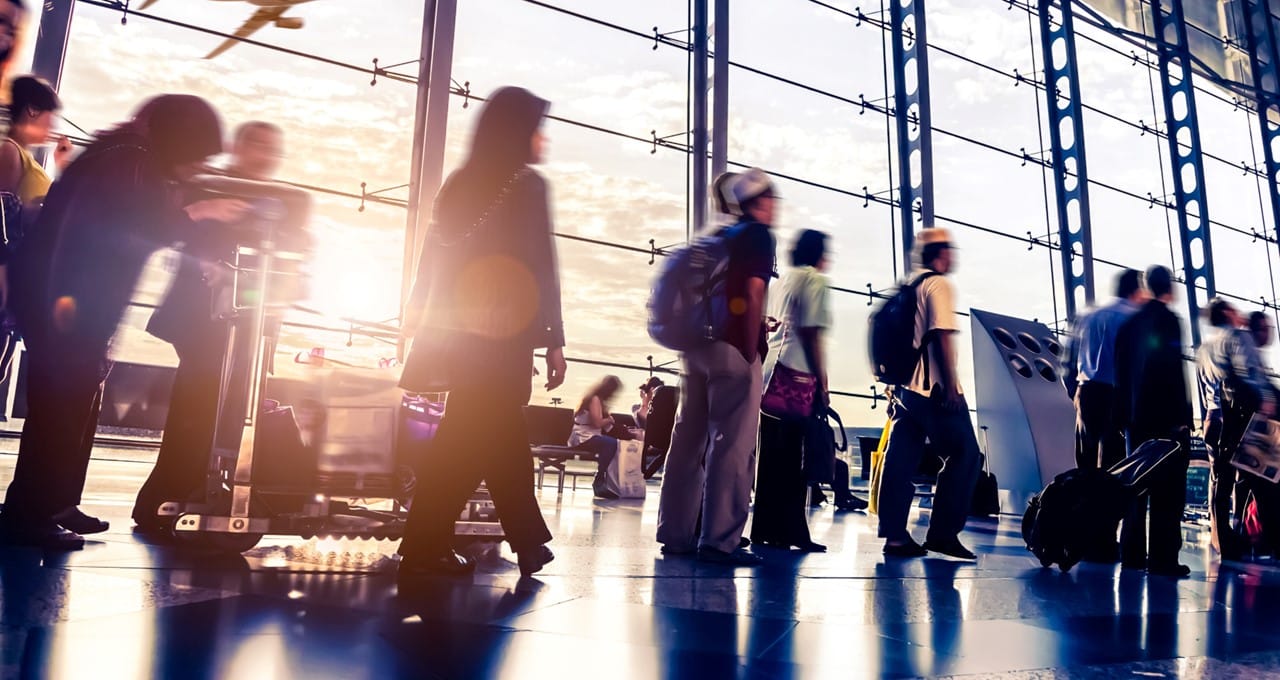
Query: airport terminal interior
(1060, 142)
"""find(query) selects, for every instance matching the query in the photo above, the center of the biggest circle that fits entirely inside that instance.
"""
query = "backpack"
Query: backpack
(892, 341)
(689, 306)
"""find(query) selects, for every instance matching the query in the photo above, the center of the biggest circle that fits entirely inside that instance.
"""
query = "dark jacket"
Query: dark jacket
(489, 284)
(1151, 383)
(112, 208)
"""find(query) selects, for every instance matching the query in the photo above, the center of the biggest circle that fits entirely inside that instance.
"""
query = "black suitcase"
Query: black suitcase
(1080, 510)
(986, 494)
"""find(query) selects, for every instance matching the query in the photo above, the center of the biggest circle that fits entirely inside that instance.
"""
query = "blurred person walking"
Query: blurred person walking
(116, 205)
(185, 318)
(1233, 387)
(486, 295)
(933, 406)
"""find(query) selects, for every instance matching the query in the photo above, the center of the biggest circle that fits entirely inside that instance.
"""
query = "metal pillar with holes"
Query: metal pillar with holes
(1186, 161)
(700, 48)
(431, 118)
(914, 121)
(1066, 137)
(1263, 59)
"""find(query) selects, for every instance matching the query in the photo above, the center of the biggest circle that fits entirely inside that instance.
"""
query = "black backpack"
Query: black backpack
(1077, 514)
(892, 341)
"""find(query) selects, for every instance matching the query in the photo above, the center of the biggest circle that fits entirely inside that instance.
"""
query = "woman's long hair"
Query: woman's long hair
(501, 144)
(605, 390)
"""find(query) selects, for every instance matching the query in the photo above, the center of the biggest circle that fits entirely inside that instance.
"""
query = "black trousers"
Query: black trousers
(482, 437)
(1162, 507)
(781, 507)
(1099, 440)
(183, 461)
(64, 398)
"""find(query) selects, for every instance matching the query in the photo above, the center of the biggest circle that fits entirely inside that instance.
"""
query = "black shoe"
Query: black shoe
(811, 547)
(851, 503)
(744, 542)
(817, 498)
(952, 548)
(676, 551)
(1174, 570)
(533, 560)
(1133, 564)
(73, 519)
(908, 549)
(49, 536)
(447, 564)
(737, 558)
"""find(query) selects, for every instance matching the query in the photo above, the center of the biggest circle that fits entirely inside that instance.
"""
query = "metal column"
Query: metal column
(1263, 58)
(700, 48)
(430, 123)
(1186, 162)
(720, 92)
(51, 42)
(911, 104)
(1066, 137)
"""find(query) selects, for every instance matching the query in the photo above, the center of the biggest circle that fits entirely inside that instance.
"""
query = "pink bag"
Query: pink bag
(789, 394)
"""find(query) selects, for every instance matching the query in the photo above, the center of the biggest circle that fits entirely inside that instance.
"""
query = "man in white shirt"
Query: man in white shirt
(931, 406)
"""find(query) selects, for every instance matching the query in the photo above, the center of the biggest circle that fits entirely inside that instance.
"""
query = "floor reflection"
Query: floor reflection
(611, 606)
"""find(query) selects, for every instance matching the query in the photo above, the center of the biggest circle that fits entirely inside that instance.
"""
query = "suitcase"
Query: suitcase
(1080, 510)
(986, 494)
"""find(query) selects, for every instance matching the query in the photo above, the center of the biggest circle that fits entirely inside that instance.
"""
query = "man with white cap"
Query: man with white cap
(711, 466)
(931, 406)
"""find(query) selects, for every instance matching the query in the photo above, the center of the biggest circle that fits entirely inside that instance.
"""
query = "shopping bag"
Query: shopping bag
(877, 467)
(1259, 451)
(624, 477)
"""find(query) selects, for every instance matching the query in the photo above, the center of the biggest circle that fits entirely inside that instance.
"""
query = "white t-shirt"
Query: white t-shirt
(935, 311)
(804, 302)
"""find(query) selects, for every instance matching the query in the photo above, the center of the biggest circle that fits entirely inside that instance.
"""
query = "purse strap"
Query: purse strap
(844, 437)
(483, 219)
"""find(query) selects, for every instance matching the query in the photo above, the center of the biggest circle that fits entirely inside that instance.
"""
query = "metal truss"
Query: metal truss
(1066, 136)
(1185, 157)
(913, 118)
(1263, 59)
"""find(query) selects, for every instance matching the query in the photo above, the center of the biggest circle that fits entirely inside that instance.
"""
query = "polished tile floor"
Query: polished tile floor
(611, 607)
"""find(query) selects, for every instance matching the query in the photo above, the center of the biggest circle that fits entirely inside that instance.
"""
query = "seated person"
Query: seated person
(641, 410)
(591, 421)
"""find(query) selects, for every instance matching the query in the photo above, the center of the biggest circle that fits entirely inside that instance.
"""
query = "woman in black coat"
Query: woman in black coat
(487, 294)
(114, 206)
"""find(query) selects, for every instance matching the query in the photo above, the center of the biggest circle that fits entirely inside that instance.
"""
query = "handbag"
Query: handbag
(819, 456)
(790, 393)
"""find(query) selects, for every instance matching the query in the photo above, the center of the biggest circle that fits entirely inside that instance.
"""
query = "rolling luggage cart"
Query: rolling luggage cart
(339, 485)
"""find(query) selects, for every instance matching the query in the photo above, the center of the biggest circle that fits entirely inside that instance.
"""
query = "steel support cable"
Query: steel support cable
(410, 80)
(1033, 81)
(1044, 174)
(119, 7)
(1164, 187)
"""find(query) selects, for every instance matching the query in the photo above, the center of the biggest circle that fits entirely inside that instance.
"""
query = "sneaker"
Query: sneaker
(952, 548)
(737, 558)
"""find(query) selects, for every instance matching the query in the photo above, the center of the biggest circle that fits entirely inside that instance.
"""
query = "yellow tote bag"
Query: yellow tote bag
(877, 465)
